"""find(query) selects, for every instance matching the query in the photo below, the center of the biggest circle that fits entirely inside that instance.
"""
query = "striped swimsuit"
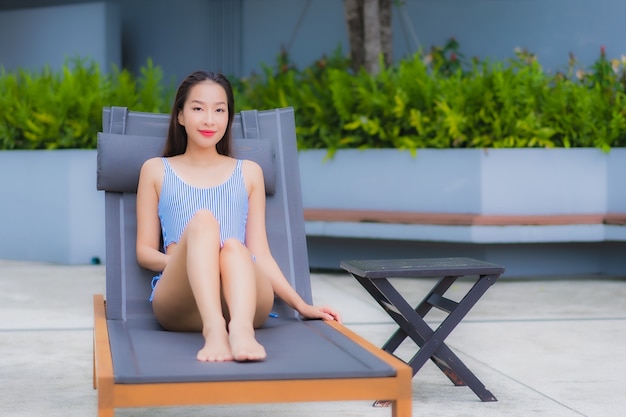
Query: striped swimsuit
(179, 202)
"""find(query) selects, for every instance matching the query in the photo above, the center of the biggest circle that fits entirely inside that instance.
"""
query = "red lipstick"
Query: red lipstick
(207, 133)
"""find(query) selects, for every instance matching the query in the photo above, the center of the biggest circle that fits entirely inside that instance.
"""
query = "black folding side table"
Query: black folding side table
(373, 276)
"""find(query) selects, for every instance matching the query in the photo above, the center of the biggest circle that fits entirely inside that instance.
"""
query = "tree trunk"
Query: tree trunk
(369, 33)
(371, 38)
(386, 38)
(354, 12)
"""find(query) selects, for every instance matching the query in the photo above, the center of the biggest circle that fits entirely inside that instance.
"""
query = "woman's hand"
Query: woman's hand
(323, 312)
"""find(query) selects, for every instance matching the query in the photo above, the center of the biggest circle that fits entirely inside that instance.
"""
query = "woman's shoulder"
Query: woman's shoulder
(152, 166)
(154, 161)
(252, 172)
(250, 167)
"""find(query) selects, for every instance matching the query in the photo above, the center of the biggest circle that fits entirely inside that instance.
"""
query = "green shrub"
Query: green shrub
(49, 109)
(437, 100)
(317, 120)
(434, 99)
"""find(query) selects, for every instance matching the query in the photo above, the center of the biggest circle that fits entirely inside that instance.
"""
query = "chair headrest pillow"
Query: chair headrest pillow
(120, 158)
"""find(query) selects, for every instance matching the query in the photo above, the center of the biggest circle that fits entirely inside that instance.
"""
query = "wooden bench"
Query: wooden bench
(452, 219)
(456, 227)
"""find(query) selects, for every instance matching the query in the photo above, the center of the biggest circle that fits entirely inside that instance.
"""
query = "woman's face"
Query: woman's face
(205, 114)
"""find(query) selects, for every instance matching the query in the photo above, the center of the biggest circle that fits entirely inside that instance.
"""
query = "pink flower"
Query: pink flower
(580, 74)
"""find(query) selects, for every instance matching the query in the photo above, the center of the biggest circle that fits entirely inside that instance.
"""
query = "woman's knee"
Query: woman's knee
(233, 248)
(203, 221)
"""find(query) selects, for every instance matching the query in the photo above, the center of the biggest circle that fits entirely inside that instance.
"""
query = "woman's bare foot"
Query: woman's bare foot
(244, 346)
(216, 347)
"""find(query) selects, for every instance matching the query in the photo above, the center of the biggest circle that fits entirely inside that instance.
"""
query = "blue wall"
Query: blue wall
(549, 28)
(32, 38)
(238, 36)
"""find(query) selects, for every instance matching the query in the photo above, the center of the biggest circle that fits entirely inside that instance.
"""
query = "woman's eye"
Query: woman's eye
(196, 108)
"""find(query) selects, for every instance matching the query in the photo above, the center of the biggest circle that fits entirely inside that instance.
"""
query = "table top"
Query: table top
(420, 267)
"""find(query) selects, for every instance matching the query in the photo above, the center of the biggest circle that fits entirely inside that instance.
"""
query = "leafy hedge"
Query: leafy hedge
(434, 99)
(440, 100)
(63, 109)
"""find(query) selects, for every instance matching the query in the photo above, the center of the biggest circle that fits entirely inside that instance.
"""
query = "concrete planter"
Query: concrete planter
(471, 181)
(51, 210)
(477, 181)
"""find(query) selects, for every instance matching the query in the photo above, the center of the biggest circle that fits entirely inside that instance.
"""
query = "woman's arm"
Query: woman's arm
(148, 226)
(256, 241)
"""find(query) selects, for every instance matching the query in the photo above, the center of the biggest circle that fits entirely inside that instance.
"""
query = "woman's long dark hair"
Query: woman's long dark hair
(176, 142)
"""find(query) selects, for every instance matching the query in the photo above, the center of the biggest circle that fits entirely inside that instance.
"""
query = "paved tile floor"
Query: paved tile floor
(543, 347)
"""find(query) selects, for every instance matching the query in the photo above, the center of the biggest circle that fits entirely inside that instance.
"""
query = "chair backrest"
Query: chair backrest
(129, 138)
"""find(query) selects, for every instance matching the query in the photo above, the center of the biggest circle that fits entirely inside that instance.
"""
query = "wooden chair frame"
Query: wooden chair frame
(112, 395)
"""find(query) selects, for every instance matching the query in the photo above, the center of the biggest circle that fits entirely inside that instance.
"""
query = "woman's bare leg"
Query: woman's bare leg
(188, 295)
(249, 298)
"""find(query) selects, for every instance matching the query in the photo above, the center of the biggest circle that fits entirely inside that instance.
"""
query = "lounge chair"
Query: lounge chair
(138, 364)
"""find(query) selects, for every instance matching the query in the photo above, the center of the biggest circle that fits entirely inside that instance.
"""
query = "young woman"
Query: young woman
(217, 274)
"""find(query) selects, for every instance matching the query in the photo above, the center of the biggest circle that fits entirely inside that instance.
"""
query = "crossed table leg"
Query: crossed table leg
(373, 276)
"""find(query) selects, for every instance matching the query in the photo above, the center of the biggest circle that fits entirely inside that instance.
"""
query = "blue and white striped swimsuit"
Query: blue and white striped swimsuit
(179, 202)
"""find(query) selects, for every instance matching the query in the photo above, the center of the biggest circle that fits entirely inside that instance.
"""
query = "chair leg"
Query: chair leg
(105, 402)
(401, 408)
(106, 412)
(93, 358)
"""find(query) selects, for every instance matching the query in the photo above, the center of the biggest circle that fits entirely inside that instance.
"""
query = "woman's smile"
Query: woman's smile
(207, 133)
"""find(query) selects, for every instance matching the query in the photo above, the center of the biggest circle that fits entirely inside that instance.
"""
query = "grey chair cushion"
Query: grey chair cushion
(145, 353)
(120, 158)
